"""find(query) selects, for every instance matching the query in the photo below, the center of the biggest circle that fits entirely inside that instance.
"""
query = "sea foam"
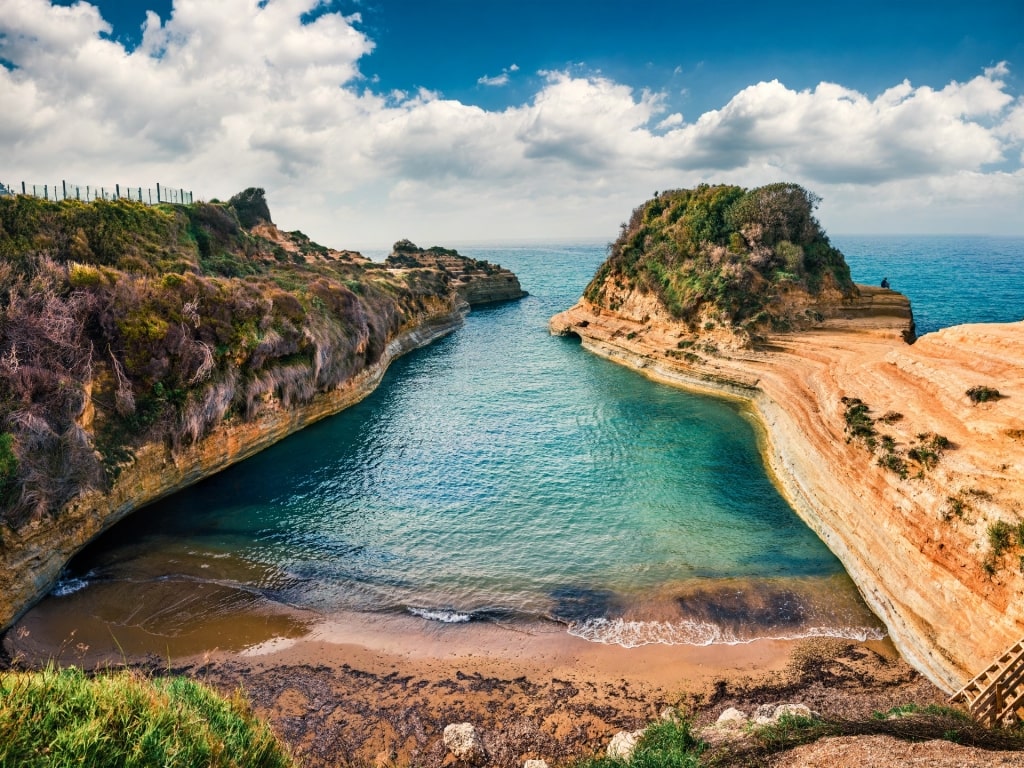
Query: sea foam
(633, 634)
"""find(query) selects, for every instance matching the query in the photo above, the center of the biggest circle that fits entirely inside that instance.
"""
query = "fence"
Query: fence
(88, 193)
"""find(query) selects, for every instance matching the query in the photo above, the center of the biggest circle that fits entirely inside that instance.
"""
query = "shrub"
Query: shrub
(999, 536)
(8, 467)
(893, 463)
(981, 394)
(61, 717)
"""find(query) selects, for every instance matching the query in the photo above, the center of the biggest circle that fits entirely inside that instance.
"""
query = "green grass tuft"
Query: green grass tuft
(62, 717)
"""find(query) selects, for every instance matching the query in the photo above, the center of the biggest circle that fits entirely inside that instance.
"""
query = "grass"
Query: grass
(669, 744)
(62, 717)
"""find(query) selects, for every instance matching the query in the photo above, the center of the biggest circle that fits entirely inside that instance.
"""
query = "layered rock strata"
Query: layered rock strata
(33, 556)
(915, 534)
(478, 282)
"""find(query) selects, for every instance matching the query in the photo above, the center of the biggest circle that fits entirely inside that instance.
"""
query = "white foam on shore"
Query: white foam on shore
(633, 634)
(437, 614)
(66, 587)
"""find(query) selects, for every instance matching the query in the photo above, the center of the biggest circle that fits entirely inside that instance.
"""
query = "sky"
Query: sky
(460, 121)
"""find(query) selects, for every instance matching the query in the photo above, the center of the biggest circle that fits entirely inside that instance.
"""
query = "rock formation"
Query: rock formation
(478, 282)
(904, 456)
(136, 360)
(916, 543)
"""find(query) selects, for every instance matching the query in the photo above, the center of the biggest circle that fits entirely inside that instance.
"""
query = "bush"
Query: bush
(8, 467)
(251, 207)
(61, 717)
(981, 394)
(1000, 534)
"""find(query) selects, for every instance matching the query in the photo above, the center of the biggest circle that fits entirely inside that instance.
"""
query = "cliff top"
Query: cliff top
(749, 259)
(122, 324)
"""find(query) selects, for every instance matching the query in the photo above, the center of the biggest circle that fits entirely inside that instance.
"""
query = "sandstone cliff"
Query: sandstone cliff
(144, 348)
(900, 456)
(923, 505)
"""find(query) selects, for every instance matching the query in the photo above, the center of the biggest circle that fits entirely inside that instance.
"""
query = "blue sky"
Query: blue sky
(449, 121)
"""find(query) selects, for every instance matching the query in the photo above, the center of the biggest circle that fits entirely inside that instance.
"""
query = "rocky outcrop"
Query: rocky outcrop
(912, 526)
(32, 556)
(477, 282)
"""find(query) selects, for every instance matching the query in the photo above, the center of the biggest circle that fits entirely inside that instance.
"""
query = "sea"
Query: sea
(505, 475)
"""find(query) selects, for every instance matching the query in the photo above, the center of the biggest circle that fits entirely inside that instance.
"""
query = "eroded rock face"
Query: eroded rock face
(917, 545)
(32, 557)
(477, 282)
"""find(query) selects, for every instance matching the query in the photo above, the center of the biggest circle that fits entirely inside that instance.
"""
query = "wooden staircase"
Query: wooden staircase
(996, 696)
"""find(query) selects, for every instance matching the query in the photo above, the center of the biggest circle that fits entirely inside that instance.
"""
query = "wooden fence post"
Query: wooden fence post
(117, 191)
(64, 184)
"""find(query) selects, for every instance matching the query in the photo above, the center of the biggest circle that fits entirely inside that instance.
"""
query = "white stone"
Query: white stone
(535, 764)
(623, 744)
(732, 718)
(463, 741)
(765, 714)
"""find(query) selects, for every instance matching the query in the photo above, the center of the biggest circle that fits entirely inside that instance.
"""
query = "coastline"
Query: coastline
(922, 578)
(376, 690)
(32, 558)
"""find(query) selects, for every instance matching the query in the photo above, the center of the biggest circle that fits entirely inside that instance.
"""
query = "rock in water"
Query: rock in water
(463, 741)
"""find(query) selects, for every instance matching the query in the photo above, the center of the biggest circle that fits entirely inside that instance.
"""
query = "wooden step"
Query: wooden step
(997, 693)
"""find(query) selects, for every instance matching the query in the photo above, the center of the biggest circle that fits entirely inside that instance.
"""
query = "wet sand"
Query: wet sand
(365, 689)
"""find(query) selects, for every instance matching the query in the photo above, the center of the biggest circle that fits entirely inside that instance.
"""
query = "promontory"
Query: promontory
(904, 454)
(143, 348)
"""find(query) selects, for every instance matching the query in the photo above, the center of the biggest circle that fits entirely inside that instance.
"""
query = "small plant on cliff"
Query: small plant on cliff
(894, 463)
(1000, 534)
(859, 424)
(982, 394)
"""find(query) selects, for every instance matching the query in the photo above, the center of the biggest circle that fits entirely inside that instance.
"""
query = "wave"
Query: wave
(633, 634)
(441, 615)
(65, 587)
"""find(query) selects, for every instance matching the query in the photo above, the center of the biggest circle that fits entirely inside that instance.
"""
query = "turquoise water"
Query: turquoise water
(950, 280)
(503, 474)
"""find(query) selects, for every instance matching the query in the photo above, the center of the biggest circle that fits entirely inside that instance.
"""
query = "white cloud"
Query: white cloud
(225, 95)
(501, 79)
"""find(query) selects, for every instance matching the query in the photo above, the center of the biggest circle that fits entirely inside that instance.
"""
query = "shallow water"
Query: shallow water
(499, 475)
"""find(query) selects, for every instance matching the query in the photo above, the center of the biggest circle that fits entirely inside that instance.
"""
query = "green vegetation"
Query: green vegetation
(981, 394)
(673, 744)
(669, 744)
(123, 324)
(56, 718)
(861, 426)
(727, 251)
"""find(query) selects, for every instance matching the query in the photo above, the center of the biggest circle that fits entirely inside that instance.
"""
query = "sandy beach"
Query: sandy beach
(380, 690)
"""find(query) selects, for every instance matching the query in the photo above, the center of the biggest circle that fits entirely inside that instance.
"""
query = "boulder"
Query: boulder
(623, 744)
(731, 718)
(535, 764)
(463, 741)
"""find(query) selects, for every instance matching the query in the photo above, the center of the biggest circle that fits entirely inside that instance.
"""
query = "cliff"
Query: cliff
(477, 282)
(910, 480)
(143, 349)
